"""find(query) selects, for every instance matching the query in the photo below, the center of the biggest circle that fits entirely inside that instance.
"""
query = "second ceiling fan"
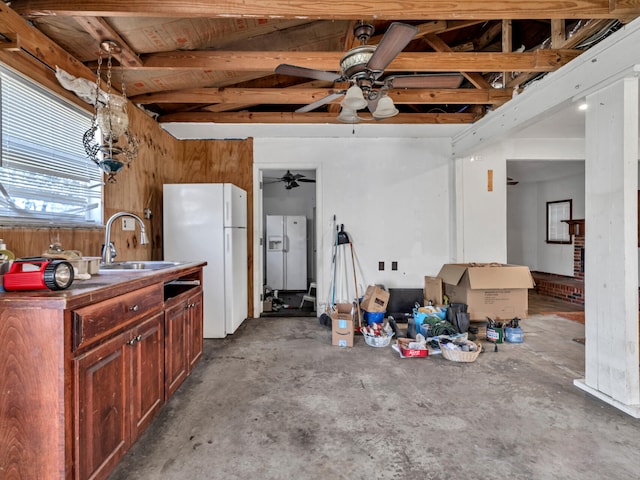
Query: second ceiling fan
(291, 180)
(363, 67)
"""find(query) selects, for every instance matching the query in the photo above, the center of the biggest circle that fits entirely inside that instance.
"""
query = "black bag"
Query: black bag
(458, 317)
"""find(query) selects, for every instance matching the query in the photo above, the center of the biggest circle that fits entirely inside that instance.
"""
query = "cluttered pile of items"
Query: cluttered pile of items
(460, 294)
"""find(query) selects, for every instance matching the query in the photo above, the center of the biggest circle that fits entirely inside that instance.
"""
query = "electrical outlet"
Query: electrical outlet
(380, 265)
(394, 265)
(128, 223)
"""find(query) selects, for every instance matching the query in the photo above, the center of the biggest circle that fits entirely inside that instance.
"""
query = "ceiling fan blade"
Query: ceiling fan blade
(397, 36)
(425, 81)
(318, 103)
(284, 69)
(308, 180)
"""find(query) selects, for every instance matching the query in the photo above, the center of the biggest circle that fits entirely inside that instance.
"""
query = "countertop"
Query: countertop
(101, 286)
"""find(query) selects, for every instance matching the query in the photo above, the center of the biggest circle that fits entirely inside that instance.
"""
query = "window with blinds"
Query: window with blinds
(45, 175)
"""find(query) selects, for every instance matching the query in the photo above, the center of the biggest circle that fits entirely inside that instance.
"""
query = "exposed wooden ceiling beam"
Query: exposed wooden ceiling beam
(536, 61)
(372, 9)
(295, 96)
(312, 117)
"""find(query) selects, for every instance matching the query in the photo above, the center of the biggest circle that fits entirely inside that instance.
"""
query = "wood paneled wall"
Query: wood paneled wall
(218, 161)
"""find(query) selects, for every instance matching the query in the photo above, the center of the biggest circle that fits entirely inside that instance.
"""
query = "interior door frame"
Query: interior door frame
(258, 240)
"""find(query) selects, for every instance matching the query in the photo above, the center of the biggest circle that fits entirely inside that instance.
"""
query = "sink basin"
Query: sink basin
(140, 265)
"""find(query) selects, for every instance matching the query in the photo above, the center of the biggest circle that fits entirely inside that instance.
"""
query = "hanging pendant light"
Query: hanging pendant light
(108, 142)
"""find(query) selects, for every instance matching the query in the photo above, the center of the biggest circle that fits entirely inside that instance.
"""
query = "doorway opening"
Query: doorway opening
(289, 249)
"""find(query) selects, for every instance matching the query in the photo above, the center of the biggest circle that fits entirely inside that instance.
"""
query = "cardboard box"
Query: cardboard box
(267, 305)
(375, 299)
(342, 325)
(493, 290)
(433, 290)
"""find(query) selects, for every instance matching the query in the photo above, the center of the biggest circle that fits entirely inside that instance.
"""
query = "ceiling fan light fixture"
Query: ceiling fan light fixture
(354, 99)
(385, 109)
(348, 115)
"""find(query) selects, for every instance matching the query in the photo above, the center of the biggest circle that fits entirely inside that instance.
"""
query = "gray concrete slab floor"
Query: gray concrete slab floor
(276, 401)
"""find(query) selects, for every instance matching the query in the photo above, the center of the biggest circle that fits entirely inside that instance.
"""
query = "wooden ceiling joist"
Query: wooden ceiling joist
(313, 117)
(345, 10)
(100, 30)
(295, 96)
(267, 61)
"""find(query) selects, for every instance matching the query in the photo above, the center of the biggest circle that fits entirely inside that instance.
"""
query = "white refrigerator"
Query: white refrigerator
(286, 252)
(208, 221)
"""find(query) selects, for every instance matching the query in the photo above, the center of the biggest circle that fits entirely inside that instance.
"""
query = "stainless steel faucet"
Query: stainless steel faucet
(109, 250)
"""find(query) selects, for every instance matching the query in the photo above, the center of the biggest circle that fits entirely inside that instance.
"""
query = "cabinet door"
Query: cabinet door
(147, 373)
(195, 329)
(102, 428)
(176, 340)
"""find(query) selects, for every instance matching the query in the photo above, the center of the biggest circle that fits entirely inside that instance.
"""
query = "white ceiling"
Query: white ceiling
(529, 171)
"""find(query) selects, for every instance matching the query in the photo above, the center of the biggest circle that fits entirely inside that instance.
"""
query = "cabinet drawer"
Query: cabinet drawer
(101, 319)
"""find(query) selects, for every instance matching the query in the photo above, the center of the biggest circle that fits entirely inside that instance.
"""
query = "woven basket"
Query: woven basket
(459, 355)
(373, 341)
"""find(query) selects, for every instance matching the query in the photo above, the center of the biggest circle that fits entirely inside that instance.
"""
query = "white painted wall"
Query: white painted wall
(392, 194)
(526, 233)
(523, 225)
(553, 258)
(481, 208)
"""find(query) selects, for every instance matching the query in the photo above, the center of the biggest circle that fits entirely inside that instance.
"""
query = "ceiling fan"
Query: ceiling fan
(363, 67)
(291, 180)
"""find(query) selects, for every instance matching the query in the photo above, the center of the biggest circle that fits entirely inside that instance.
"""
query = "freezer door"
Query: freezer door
(275, 249)
(235, 206)
(296, 252)
(236, 279)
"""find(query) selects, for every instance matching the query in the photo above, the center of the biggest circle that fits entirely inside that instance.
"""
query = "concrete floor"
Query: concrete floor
(277, 401)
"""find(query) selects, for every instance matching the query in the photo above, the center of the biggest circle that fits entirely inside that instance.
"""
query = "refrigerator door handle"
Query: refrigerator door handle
(285, 244)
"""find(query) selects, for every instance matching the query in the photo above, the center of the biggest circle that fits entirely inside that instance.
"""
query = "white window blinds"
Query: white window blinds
(45, 175)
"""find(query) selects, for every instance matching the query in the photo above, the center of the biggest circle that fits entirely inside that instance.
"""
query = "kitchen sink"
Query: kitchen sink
(140, 265)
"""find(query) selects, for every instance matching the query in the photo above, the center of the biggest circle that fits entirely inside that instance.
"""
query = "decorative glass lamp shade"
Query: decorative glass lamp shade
(348, 115)
(354, 99)
(385, 108)
(112, 118)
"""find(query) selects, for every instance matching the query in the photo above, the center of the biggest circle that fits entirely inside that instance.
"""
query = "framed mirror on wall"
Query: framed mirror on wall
(557, 230)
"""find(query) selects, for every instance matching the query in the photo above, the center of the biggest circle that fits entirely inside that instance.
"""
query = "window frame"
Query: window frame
(557, 231)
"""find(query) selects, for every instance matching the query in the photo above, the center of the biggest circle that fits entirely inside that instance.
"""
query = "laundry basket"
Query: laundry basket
(374, 341)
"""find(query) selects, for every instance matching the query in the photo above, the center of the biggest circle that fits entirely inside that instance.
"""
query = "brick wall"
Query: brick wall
(560, 287)
(578, 257)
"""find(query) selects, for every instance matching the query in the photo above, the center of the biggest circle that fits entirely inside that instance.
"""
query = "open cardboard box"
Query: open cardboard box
(499, 291)
(342, 328)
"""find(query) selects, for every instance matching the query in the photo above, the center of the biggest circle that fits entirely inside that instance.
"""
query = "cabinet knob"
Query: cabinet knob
(134, 308)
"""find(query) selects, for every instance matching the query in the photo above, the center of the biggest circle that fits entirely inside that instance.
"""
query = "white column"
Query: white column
(611, 246)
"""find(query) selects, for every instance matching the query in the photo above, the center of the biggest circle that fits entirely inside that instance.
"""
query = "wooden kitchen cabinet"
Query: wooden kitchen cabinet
(82, 371)
(183, 332)
(120, 383)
